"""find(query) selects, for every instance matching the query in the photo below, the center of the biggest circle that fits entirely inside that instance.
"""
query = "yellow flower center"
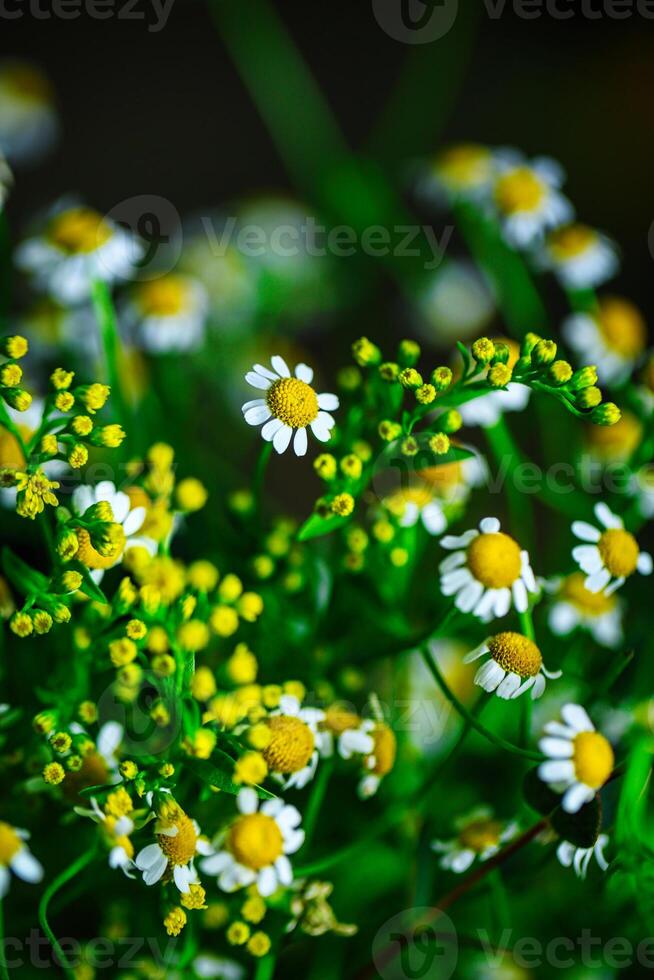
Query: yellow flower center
(384, 751)
(619, 552)
(442, 478)
(571, 241)
(480, 834)
(616, 441)
(10, 843)
(593, 759)
(292, 401)
(464, 166)
(516, 653)
(87, 554)
(339, 720)
(255, 840)
(79, 231)
(27, 83)
(420, 496)
(622, 326)
(163, 297)
(291, 744)
(494, 560)
(589, 603)
(180, 848)
(11, 455)
(519, 190)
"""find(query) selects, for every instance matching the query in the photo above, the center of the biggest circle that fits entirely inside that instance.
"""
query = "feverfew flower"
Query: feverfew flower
(479, 836)
(290, 406)
(16, 856)
(527, 198)
(596, 612)
(486, 571)
(116, 825)
(77, 246)
(610, 555)
(254, 848)
(514, 665)
(178, 842)
(612, 338)
(417, 503)
(292, 752)
(167, 314)
(130, 520)
(580, 257)
(462, 171)
(580, 760)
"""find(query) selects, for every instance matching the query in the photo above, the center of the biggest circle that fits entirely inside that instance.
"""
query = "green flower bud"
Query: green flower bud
(441, 378)
(544, 352)
(483, 350)
(528, 344)
(585, 377)
(589, 397)
(450, 421)
(560, 372)
(389, 370)
(365, 352)
(606, 414)
(499, 375)
(408, 353)
(425, 394)
(410, 378)
(502, 354)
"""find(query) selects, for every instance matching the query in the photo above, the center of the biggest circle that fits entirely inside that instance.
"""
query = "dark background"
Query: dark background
(166, 113)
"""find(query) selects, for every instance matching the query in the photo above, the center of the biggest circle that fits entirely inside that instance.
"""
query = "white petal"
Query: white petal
(434, 519)
(247, 800)
(25, 865)
(520, 599)
(282, 438)
(489, 675)
(489, 525)
(469, 596)
(134, 521)
(300, 442)
(476, 653)
(557, 771)
(585, 531)
(598, 580)
(502, 602)
(563, 618)
(284, 870)
(576, 717)
(575, 797)
(600, 844)
(588, 557)
(508, 686)
(305, 373)
(327, 401)
(606, 516)
(451, 541)
(148, 857)
(556, 748)
(538, 687)
(645, 564)
(320, 428)
(565, 852)
(266, 372)
(461, 862)
(280, 366)
(217, 863)
(267, 882)
(252, 404)
(183, 877)
(556, 728)
(452, 561)
(453, 581)
(257, 415)
(4, 881)
(154, 874)
(271, 428)
(257, 381)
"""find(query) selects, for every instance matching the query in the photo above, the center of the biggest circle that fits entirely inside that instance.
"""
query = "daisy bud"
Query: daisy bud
(388, 371)
(441, 378)
(191, 495)
(64, 401)
(425, 394)
(483, 350)
(528, 344)
(14, 347)
(54, 773)
(93, 396)
(502, 354)
(499, 375)
(351, 466)
(78, 456)
(589, 397)
(585, 377)
(61, 379)
(110, 436)
(408, 353)
(544, 352)
(42, 621)
(409, 446)
(450, 421)
(410, 378)
(349, 378)
(439, 444)
(560, 372)
(365, 352)
(342, 504)
(325, 466)
(389, 431)
(21, 624)
(18, 398)
(522, 365)
(49, 445)
(607, 414)
(10, 375)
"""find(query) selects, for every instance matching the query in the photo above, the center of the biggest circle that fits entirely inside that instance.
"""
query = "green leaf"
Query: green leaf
(465, 354)
(26, 579)
(316, 525)
(214, 775)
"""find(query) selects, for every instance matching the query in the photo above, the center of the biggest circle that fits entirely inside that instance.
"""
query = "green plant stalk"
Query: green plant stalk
(259, 479)
(316, 799)
(469, 716)
(526, 708)
(73, 869)
(106, 316)
(265, 967)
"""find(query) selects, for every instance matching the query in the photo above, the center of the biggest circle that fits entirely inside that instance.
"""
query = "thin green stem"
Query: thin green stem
(469, 716)
(527, 627)
(4, 972)
(316, 799)
(260, 476)
(265, 967)
(58, 883)
(107, 324)
(506, 453)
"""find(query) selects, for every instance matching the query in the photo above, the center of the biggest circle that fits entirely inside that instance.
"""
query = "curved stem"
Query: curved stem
(469, 717)
(49, 894)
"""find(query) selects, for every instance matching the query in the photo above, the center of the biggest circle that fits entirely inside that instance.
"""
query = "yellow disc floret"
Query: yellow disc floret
(480, 834)
(10, 843)
(494, 560)
(290, 746)
(589, 603)
(79, 230)
(593, 759)
(622, 326)
(88, 555)
(571, 241)
(167, 296)
(516, 653)
(619, 551)
(293, 402)
(180, 848)
(255, 840)
(385, 749)
(519, 190)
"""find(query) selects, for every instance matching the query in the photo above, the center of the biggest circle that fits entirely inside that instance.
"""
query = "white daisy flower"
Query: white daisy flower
(609, 556)
(178, 843)
(78, 246)
(612, 338)
(16, 856)
(526, 197)
(293, 751)
(461, 171)
(580, 760)
(514, 665)
(129, 518)
(28, 119)
(254, 848)
(479, 836)
(417, 503)
(167, 314)
(451, 483)
(289, 406)
(382, 758)
(596, 612)
(487, 572)
(348, 730)
(117, 831)
(580, 257)
(578, 858)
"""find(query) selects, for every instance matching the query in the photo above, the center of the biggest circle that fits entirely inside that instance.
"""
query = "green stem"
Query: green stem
(265, 967)
(106, 316)
(527, 627)
(4, 972)
(469, 716)
(506, 453)
(315, 800)
(49, 894)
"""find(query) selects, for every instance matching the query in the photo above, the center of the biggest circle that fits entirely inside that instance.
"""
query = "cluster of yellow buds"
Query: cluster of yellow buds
(11, 374)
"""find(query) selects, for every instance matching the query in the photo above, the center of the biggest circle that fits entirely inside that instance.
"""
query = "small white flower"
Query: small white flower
(575, 606)
(77, 247)
(479, 836)
(608, 556)
(16, 856)
(167, 314)
(486, 571)
(514, 665)
(612, 338)
(417, 503)
(117, 831)
(290, 406)
(28, 119)
(178, 842)
(463, 171)
(580, 760)
(581, 257)
(579, 857)
(254, 849)
(527, 198)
